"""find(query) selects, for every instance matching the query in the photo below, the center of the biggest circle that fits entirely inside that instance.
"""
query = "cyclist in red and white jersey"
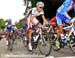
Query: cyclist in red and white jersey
(36, 17)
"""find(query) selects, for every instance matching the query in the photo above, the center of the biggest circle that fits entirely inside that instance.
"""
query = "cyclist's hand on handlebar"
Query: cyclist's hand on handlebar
(48, 25)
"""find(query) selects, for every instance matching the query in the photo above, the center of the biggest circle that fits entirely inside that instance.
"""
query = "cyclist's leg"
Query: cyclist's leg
(59, 18)
(30, 38)
(7, 37)
(60, 26)
(68, 21)
(29, 34)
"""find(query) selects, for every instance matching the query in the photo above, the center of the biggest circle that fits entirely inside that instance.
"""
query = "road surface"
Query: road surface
(19, 51)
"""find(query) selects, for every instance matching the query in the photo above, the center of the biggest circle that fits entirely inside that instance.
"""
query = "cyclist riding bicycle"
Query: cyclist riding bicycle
(9, 30)
(36, 17)
(62, 16)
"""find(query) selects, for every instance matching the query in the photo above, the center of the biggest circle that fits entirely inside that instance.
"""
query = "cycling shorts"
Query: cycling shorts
(9, 30)
(29, 24)
(61, 18)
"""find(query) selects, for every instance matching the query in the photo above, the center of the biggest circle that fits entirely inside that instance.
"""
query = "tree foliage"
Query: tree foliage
(2, 23)
(20, 24)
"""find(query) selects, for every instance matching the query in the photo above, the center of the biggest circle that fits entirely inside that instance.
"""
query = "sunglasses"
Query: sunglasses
(40, 7)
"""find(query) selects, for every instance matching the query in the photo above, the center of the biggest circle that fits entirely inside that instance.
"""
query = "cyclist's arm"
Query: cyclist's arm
(45, 20)
(33, 22)
(67, 27)
(66, 15)
(31, 19)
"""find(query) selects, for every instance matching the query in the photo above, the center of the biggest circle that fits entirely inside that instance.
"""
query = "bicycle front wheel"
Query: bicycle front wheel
(44, 45)
(72, 46)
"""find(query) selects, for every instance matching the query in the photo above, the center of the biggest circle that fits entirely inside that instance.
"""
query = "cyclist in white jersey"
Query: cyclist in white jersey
(36, 17)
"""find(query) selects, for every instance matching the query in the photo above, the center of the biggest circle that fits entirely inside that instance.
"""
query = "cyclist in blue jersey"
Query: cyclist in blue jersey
(62, 16)
(9, 30)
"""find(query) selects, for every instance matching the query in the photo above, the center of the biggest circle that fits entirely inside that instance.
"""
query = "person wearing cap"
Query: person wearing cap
(36, 17)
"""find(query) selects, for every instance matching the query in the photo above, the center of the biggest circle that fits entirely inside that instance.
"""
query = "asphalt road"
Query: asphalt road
(19, 51)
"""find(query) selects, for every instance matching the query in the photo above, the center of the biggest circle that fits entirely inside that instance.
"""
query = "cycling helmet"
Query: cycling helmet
(40, 4)
(9, 20)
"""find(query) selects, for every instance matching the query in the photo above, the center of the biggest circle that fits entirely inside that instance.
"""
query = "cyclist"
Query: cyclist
(62, 16)
(9, 30)
(36, 17)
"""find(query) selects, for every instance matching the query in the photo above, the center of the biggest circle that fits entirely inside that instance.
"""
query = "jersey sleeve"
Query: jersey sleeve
(42, 13)
(67, 3)
(33, 12)
(64, 7)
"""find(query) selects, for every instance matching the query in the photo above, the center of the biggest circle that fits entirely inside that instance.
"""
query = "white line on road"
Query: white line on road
(60, 57)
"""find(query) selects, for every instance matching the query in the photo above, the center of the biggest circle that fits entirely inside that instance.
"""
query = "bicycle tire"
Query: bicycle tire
(50, 47)
(72, 47)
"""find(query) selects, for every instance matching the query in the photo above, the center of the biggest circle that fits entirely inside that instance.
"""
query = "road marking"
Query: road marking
(50, 57)
(67, 57)
(60, 57)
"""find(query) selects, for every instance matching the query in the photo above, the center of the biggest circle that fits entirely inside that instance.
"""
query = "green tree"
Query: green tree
(34, 2)
(20, 24)
(17, 25)
(2, 23)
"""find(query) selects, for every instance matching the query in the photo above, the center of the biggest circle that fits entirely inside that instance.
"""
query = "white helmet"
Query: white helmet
(40, 4)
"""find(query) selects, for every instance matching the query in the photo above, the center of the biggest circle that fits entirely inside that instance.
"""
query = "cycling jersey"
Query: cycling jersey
(65, 7)
(62, 12)
(37, 17)
(9, 28)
